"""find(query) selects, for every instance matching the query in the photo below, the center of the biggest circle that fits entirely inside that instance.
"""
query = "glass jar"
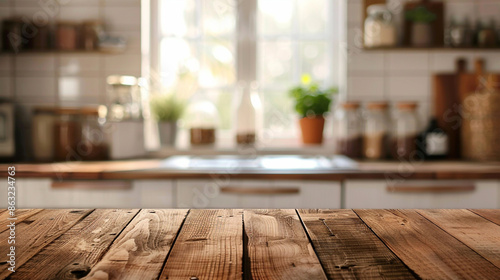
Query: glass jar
(67, 134)
(248, 110)
(90, 34)
(42, 129)
(348, 130)
(202, 119)
(94, 145)
(405, 131)
(124, 98)
(380, 29)
(376, 131)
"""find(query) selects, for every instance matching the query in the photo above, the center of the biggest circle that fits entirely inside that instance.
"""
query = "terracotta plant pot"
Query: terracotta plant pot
(312, 129)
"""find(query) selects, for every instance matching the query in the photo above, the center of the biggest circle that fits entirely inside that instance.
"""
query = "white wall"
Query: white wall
(407, 75)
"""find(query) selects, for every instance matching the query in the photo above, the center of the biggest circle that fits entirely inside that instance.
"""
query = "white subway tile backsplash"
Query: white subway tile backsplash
(78, 88)
(366, 62)
(5, 64)
(6, 89)
(366, 88)
(31, 89)
(408, 88)
(35, 64)
(136, 3)
(122, 62)
(123, 18)
(79, 64)
(77, 14)
(404, 61)
(446, 61)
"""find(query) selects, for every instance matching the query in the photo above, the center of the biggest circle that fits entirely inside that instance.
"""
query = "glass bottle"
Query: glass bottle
(248, 110)
(67, 134)
(348, 130)
(380, 30)
(42, 128)
(405, 132)
(376, 131)
(94, 145)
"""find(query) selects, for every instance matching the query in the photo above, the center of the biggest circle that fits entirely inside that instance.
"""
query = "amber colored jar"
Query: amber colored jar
(67, 134)
(67, 36)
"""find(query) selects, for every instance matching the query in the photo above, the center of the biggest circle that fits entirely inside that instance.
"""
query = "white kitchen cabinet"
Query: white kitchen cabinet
(48, 193)
(257, 194)
(422, 194)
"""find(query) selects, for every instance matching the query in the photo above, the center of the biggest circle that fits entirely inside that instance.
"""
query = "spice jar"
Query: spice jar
(93, 145)
(380, 30)
(67, 36)
(348, 130)
(202, 120)
(42, 127)
(11, 28)
(405, 131)
(90, 34)
(67, 134)
(376, 131)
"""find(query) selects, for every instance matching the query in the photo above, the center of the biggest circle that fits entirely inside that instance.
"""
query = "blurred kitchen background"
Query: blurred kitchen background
(351, 80)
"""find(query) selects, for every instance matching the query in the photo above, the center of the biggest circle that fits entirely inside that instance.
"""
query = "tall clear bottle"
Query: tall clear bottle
(248, 113)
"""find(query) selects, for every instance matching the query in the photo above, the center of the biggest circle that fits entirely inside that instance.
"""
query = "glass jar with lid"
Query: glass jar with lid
(67, 134)
(405, 131)
(42, 129)
(94, 145)
(380, 29)
(202, 119)
(67, 38)
(348, 130)
(376, 128)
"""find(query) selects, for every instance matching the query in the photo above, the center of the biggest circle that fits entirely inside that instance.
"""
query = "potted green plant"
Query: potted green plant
(421, 26)
(167, 109)
(312, 104)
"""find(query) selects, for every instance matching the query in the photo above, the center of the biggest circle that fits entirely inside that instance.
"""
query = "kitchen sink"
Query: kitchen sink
(268, 162)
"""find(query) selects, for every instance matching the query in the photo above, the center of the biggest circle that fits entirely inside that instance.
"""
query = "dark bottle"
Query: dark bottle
(433, 142)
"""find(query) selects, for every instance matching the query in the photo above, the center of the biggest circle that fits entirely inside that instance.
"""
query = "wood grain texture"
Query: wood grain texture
(348, 249)
(209, 246)
(489, 214)
(278, 247)
(474, 231)
(20, 215)
(141, 249)
(36, 232)
(425, 248)
(74, 253)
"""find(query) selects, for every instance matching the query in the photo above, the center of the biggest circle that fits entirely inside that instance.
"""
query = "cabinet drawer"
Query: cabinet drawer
(257, 194)
(46, 193)
(422, 194)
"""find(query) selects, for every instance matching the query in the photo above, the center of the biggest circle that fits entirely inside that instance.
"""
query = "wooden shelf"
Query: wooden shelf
(59, 52)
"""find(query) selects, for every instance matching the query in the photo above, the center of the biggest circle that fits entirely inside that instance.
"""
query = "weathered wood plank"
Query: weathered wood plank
(20, 215)
(36, 232)
(209, 246)
(489, 214)
(425, 248)
(348, 249)
(479, 234)
(141, 249)
(74, 253)
(278, 247)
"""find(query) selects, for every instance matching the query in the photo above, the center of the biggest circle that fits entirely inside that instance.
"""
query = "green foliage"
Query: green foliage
(167, 108)
(420, 14)
(310, 100)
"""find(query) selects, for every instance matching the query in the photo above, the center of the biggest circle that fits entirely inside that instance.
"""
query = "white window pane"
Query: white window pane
(275, 17)
(312, 16)
(314, 59)
(275, 62)
(218, 64)
(178, 18)
(219, 17)
(178, 60)
(279, 118)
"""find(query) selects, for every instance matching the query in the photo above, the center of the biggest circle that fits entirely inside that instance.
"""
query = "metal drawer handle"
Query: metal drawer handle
(92, 185)
(259, 190)
(430, 189)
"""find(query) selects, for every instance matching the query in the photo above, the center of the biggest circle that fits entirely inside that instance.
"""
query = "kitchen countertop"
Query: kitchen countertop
(149, 169)
(253, 244)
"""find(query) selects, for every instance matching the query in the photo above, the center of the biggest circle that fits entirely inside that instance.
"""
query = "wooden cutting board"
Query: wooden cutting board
(447, 105)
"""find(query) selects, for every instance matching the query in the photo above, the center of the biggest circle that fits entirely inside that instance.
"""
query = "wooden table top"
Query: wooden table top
(252, 244)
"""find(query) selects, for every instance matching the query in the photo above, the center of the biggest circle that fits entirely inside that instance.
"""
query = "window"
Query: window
(205, 47)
